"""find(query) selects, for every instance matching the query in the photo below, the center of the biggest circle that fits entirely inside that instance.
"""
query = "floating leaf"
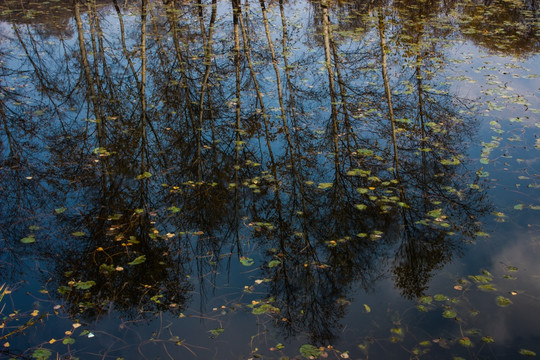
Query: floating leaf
(452, 161)
(465, 341)
(435, 213)
(68, 341)
(41, 354)
(84, 285)
(62, 289)
(216, 332)
(246, 261)
(449, 314)
(368, 309)
(440, 297)
(28, 239)
(519, 206)
(361, 206)
(365, 152)
(487, 287)
(79, 233)
(310, 351)
(503, 302)
(482, 279)
(264, 309)
(101, 151)
(526, 352)
(144, 175)
(138, 260)
(487, 339)
(482, 173)
(273, 263)
(60, 210)
(325, 185)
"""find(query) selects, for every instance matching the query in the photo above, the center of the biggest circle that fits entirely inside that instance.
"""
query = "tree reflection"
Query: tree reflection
(502, 26)
(343, 160)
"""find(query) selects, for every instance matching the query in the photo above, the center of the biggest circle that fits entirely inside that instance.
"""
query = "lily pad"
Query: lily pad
(465, 341)
(449, 314)
(246, 261)
(216, 332)
(28, 240)
(310, 351)
(138, 260)
(41, 354)
(503, 302)
(84, 285)
(274, 263)
(325, 185)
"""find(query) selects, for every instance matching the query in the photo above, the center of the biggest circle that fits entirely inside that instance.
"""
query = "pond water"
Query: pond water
(281, 180)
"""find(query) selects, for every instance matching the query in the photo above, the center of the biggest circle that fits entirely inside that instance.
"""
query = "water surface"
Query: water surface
(236, 180)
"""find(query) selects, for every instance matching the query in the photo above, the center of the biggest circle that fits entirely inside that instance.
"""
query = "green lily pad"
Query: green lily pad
(310, 351)
(68, 341)
(465, 342)
(41, 354)
(526, 352)
(246, 261)
(84, 285)
(138, 260)
(449, 314)
(216, 332)
(273, 263)
(28, 240)
(503, 302)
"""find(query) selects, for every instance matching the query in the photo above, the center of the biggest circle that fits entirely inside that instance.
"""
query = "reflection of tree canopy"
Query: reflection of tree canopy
(168, 143)
(503, 26)
(48, 19)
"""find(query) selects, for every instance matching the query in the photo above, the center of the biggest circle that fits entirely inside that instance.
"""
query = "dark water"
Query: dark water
(227, 180)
